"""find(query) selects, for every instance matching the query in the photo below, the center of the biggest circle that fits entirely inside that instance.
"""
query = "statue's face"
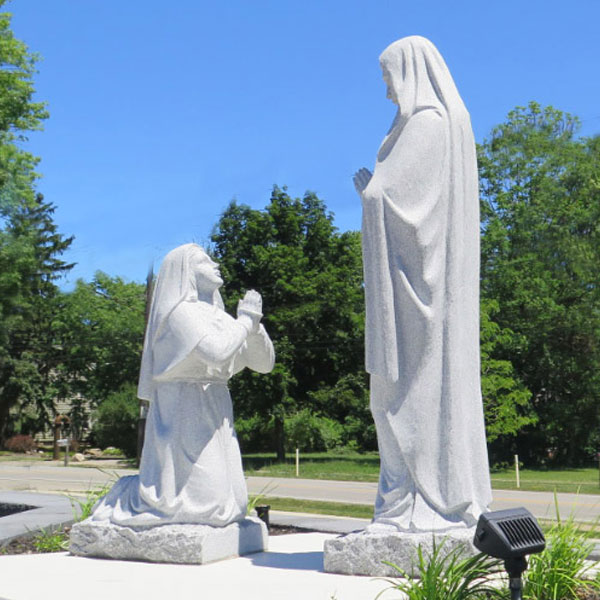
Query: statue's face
(206, 271)
(391, 94)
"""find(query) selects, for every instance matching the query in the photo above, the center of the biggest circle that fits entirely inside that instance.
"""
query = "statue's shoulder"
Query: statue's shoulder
(426, 131)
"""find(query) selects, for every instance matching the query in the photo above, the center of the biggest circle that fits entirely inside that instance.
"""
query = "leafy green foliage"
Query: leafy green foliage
(309, 432)
(58, 541)
(17, 111)
(347, 402)
(448, 575)
(51, 541)
(559, 572)
(82, 508)
(18, 115)
(115, 420)
(102, 332)
(540, 253)
(30, 352)
(310, 277)
(30, 247)
(506, 401)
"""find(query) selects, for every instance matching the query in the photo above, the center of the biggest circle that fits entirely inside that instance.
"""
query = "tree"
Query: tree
(101, 332)
(310, 277)
(115, 422)
(29, 355)
(506, 401)
(25, 273)
(540, 196)
(18, 115)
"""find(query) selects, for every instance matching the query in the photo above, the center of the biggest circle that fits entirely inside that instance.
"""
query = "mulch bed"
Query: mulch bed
(25, 544)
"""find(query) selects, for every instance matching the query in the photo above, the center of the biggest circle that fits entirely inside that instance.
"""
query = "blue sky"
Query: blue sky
(162, 113)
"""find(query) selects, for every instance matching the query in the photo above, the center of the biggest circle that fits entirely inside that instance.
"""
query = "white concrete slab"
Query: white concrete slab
(292, 569)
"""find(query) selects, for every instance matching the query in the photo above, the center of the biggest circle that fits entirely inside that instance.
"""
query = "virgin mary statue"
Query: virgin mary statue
(421, 268)
(191, 469)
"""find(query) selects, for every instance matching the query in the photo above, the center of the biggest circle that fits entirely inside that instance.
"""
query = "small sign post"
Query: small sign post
(517, 470)
(297, 462)
(64, 443)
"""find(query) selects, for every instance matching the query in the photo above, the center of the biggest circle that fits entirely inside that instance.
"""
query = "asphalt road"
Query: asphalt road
(50, 477)
(584, 507)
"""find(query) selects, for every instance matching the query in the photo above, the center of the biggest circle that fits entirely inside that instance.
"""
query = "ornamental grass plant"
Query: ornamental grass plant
(562, 571)
(449, 576)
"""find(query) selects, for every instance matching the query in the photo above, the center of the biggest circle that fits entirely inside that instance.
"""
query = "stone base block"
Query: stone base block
(172, 543)
(364, 553)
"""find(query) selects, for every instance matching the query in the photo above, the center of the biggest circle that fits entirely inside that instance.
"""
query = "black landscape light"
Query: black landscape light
(262, 512)
(510, 534)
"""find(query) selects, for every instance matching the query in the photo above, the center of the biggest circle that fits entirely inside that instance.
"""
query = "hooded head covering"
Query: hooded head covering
(176, 283)
(419, 76)
(419, 80)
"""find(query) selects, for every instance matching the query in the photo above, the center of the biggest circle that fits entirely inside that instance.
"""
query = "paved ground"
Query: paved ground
(292, 569)
(50, 477)
(49, 512)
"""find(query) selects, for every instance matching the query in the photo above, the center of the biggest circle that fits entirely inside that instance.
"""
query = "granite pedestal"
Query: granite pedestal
(173, 543)
(366, 553)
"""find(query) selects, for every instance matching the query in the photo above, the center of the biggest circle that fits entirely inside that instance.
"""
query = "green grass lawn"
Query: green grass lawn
(343, 467)
(365, 467)
(359, 511)
(583, 481)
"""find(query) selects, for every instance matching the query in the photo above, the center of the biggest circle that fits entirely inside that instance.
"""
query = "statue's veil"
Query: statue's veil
(175, 284)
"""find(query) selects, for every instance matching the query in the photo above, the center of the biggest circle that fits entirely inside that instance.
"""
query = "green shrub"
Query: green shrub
(254, 434)
(347, 402)
(359, 433)
(311, 433)
(115, 420)
(112, 451)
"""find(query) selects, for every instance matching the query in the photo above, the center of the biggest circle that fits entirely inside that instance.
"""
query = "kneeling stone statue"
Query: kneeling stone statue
(189, 502)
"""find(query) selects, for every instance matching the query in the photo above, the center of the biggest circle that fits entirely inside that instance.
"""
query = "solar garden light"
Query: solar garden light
(262, 512)
(510, 534)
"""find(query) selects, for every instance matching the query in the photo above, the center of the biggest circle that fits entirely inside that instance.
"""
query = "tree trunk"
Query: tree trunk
(279, 439)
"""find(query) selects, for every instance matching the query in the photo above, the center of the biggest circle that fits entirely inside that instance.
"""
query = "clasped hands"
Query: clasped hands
(249, 310)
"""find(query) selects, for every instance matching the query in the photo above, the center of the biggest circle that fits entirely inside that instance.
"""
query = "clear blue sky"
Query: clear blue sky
(162, 112)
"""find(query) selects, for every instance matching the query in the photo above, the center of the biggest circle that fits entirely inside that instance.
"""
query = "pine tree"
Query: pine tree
(30, 358)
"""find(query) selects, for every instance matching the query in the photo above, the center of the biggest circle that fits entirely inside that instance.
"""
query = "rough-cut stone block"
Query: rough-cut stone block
(364, 553)
(173, 543)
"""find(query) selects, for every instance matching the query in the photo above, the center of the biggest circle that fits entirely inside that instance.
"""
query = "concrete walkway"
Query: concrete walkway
(292, 569)
(49, 512)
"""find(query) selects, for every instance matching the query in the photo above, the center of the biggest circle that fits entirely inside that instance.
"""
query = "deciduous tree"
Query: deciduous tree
(540, 196)
(310, 276)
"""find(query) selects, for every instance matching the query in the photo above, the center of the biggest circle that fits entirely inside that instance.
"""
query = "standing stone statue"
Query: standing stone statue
(421, 266)
(191, 474)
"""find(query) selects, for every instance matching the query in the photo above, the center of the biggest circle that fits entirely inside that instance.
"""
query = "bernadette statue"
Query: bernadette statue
(191, 469)
(421, 266)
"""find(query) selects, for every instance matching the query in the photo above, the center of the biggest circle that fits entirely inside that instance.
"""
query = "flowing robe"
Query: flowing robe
(191, 469)
(421, 266)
